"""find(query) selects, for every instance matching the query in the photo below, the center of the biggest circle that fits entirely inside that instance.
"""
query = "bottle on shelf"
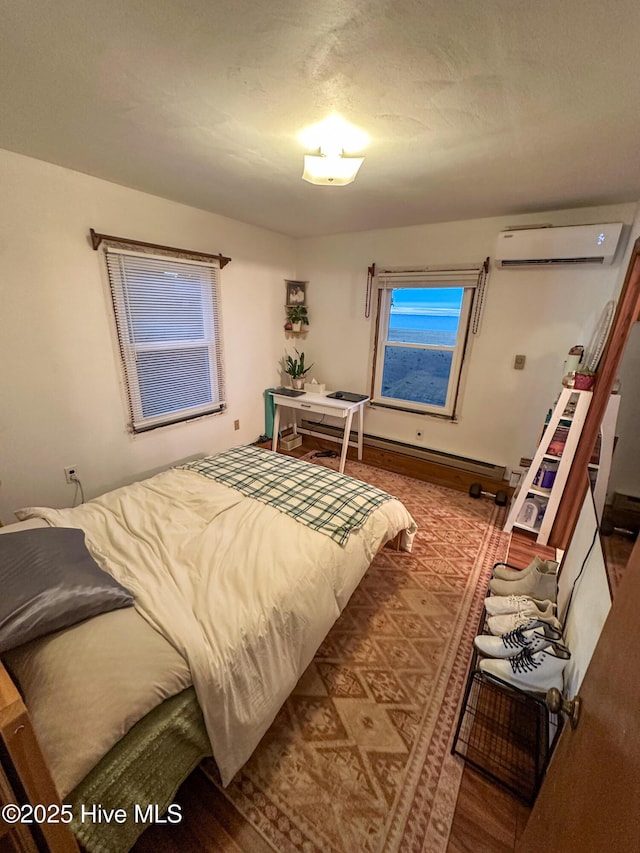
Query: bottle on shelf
(532, 512)
(546, 474)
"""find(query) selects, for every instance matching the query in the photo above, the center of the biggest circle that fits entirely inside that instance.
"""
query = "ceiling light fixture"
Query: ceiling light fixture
(334, 138)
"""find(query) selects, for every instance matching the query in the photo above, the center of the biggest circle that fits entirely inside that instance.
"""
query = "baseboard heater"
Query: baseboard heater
(472, 466)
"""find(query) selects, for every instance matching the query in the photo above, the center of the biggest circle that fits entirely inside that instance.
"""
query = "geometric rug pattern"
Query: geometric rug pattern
(358, 759)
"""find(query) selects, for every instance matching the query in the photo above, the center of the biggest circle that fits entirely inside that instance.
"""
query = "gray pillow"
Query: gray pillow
(48, 581)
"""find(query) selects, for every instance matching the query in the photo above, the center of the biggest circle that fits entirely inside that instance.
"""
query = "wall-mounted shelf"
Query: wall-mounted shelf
(295, 308)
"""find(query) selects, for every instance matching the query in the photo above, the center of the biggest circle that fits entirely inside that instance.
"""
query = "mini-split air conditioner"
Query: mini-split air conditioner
(568, 245)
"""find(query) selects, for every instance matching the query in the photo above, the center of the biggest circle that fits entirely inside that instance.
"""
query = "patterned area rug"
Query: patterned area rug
(358, 758)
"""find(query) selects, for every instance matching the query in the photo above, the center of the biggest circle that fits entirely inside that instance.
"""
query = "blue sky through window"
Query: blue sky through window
(426, 315)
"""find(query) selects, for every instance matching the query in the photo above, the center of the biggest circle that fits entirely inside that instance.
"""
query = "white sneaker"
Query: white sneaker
(537, 672)
(502, 572)
(526, 619)
(497, 604)
(511, 644)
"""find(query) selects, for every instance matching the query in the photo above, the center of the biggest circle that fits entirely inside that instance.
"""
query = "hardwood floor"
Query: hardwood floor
(488, 819)
(210, 825)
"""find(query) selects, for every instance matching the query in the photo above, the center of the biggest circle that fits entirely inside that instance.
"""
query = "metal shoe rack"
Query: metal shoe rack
(505, 733)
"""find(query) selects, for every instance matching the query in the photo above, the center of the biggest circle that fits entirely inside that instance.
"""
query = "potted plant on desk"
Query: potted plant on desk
(296, 369)
(298, 317)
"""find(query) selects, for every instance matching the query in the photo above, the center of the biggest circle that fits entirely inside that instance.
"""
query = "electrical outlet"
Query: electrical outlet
(71, 473)
(236, 424)
(518, 362)
(514, 477)
(419, 434)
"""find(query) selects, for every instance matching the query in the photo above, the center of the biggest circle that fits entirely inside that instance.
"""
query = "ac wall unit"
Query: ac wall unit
(568, 245)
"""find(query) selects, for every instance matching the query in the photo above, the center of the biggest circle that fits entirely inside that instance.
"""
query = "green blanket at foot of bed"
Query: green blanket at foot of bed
(144, 769)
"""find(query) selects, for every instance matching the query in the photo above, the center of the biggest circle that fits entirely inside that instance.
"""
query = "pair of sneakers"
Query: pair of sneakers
(531, 659)
(507, 612)
(539, 580)
(534, 637)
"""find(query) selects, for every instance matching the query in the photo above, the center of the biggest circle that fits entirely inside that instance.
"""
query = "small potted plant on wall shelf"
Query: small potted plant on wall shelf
(296, 369)
(584, 379)
(297, 317)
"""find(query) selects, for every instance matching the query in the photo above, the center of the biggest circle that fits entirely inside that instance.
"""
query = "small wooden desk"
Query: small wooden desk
(320, 404)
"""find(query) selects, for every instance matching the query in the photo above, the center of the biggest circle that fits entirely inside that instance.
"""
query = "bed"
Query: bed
(238, 564)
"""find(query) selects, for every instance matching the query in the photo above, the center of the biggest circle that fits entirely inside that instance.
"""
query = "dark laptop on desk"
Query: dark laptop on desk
(348, 396)
(287, 392)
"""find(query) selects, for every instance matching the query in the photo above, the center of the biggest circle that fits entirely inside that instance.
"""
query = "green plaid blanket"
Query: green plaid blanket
(332, 503)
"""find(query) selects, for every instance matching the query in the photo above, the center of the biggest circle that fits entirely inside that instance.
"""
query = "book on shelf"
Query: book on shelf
(557, 444)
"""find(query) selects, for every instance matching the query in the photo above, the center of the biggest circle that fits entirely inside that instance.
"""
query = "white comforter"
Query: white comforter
(244, 592)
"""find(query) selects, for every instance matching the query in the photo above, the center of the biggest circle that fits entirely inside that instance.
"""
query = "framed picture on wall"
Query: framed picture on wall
(296, 292)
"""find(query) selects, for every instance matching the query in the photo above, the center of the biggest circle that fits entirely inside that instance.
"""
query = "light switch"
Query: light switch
(518, 364)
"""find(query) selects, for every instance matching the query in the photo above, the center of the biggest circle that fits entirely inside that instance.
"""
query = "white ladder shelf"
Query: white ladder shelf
(549, 499)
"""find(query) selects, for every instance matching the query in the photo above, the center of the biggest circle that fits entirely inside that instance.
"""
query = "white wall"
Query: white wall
(539, 313)
(61, 400)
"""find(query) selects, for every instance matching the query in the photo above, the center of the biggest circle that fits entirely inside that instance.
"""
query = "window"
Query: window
(167, 315)
(422, 332)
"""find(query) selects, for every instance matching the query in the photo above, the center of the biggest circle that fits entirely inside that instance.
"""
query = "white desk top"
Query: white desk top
(309, 399)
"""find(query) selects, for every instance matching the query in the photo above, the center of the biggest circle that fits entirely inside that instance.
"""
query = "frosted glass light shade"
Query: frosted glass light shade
(335, 171)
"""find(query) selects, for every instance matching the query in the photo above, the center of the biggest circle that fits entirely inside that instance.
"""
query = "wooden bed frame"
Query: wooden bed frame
(25, 778)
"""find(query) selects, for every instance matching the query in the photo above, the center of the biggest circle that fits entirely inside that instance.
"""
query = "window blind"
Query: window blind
(167, 313)
(469, 276)
(429, 277)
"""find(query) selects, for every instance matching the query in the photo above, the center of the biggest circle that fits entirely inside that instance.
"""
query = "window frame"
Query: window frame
(472, 280)
(129, 348)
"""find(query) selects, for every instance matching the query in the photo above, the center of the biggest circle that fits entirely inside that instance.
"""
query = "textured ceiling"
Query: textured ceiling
(474, 108)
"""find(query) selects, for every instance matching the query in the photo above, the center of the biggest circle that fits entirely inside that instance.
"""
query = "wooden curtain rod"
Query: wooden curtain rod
(96, 239)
